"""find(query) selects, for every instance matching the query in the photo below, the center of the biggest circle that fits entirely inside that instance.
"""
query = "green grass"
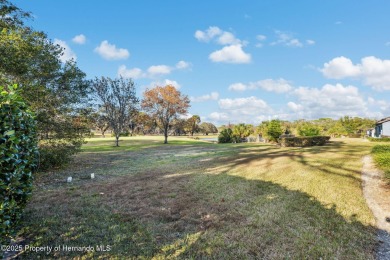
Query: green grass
(381, 155)
(193, 199)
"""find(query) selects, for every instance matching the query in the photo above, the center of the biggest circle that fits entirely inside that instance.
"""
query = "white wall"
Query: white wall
(386, 128)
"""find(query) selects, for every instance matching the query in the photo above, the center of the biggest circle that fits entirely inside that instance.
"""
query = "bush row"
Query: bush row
(303, 141)
(383, 139)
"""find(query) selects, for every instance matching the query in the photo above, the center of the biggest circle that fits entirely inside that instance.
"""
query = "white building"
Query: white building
(382, 127)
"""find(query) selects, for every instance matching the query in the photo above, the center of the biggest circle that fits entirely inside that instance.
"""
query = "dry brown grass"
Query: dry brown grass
(197, 200)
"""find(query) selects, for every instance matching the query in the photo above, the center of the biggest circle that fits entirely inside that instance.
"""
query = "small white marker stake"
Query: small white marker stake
(92, 176)
(69, 179)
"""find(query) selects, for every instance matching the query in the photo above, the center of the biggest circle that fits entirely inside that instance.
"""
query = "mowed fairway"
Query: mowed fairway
(193, 199)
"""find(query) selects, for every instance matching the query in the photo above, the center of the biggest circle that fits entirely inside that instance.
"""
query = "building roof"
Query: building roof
(383, 120)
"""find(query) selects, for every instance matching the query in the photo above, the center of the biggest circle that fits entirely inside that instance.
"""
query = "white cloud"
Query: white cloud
(329, 101)
(164, 83)
(210, 33)
(261, 37)
(238, 87)
(79, 39)
(271, 85)
(374, 72)
(278, 86)
(383, 105)
(227, 38)
(220, 36)
(310, 42)
(294, 107)
(217, 116)
(152, 72)
(232, 51)
(240, 110)
(287, 39)
(182, 65)
(244, 106)
(159, 70)
(231, 54)
(134, 73)
(340, 67)
(211, 96)
(111, 52)
(67, 54)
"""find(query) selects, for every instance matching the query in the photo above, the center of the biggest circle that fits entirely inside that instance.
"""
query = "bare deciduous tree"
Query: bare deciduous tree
(118, 100)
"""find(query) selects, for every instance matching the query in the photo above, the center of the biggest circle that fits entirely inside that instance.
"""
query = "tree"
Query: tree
(165, 104)
(118, 100)
(262, 128)
(308, 129)
(143, 123)
(101, 122)
(192, 124)
(178, 126)
(11, 16)
(242, 130)
(207, 128)
(273, 130)
(55, 91)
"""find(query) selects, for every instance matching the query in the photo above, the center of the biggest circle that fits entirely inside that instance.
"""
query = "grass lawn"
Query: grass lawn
(194, 199)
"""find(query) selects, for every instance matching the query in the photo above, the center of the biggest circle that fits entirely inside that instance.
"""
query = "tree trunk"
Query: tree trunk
(166, 134)
(116, 140)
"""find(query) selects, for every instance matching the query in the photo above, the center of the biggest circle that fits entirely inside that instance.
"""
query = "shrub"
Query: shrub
(55, 154)
(381, 154)
(303, 141)
(18, 153)
(383, 139)
(225, 136)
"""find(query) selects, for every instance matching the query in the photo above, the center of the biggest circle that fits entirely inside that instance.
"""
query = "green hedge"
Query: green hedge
(383, 139)
(302, 141)
(381, 154)
(18, 159)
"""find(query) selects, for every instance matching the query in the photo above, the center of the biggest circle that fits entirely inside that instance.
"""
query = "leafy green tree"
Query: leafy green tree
(55, 91)
(262, 128)
(308, 129)
(207, 128)
(118, 99)
(242, 130)
(178, 126)
(337, 130)
(11, 16)
(192, 124)
(273, 130)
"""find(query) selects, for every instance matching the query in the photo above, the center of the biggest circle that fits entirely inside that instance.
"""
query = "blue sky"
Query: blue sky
(238, 61)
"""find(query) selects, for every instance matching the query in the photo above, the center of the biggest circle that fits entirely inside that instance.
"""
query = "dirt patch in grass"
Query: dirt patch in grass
(377, 193)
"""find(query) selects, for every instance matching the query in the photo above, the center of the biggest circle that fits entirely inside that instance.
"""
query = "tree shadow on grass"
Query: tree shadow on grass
(169, 215)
